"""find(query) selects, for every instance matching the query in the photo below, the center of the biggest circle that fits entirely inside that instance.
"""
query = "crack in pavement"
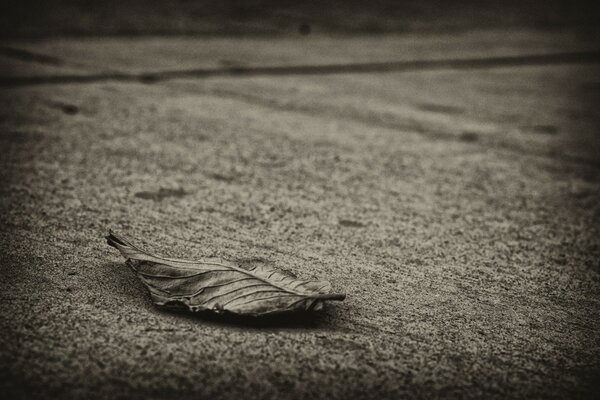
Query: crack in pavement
(584, 57)
(44, 59)
(29, 56)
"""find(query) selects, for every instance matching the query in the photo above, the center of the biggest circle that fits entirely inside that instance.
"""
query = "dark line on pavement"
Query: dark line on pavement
(383, 67)
(26, 55)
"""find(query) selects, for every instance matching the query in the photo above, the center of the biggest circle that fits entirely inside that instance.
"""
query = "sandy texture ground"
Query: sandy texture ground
(458, 209)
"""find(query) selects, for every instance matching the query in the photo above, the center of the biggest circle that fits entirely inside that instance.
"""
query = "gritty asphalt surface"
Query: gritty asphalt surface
(459, 211)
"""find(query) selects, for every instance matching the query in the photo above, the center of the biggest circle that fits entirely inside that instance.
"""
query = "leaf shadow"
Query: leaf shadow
(289, 320)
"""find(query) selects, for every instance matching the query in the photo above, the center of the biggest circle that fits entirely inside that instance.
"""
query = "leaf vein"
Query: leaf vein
(236, 290)
(148, 275)
(263, 298)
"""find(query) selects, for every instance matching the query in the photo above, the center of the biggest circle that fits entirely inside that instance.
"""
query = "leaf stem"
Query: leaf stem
(330, 296)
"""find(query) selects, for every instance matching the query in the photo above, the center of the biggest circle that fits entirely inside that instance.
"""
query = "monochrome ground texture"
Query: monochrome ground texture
(458, 209)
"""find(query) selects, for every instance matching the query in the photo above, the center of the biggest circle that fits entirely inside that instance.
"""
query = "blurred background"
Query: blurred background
(35, 18)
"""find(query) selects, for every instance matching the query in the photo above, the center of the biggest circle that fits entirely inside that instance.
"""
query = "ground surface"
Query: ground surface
(459, 210)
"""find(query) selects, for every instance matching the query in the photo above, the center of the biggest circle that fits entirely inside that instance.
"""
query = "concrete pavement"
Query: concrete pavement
(458, 209)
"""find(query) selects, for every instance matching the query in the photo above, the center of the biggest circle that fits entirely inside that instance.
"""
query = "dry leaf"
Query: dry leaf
(219, 285)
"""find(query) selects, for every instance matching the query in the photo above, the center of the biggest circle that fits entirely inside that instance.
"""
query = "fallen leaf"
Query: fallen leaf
(220, 285)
